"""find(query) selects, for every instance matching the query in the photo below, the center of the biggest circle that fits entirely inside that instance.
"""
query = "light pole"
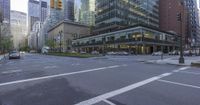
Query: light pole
(37, 40)
(60, 35)
(1, 19)
(179, 19)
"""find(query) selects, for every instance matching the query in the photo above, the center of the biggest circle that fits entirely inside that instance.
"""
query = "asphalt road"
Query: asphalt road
(112, 80)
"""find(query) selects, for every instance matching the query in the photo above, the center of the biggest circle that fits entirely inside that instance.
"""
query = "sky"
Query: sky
(19, 5)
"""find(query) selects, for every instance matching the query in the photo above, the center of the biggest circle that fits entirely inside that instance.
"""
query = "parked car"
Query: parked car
(95, 52)
(122, 53)
(159, 53)
(83, 52)
(33, 51)
(187, 53)
(14, 55)
(22, 52)
(111, 53)
(45, 50)
(174, 52)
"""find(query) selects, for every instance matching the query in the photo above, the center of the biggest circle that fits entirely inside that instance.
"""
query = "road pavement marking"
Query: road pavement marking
(11, 71)
(108, 102)
(181, 69)
(181, 84)
(188, 72)
(59, 75)
(122, 90)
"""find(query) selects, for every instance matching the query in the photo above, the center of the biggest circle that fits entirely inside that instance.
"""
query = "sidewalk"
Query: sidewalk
(2, 57)
(175, 61)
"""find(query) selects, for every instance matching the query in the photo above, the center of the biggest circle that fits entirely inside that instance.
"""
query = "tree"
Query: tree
(6, 42)
(50, 43)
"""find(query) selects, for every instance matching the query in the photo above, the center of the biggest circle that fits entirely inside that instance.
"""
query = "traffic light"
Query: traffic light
(59, 4)
(179, 17)
(52, 3)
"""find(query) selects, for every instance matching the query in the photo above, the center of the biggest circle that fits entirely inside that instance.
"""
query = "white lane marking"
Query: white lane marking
(184, 68)
(50, 67)
(181, 84)
(181, 69)
(58, 75)
(108, 102)
(122, 90)
(188, 72)
(11, 71)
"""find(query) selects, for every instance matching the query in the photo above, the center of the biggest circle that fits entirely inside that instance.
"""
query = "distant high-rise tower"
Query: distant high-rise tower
(43, 10)
(33, 13)
(69, 10)
(5, 9)
(18, 28)
(88, 12)
(193, 28)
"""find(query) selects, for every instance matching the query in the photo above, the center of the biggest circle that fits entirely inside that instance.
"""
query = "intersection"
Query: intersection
(110, 80)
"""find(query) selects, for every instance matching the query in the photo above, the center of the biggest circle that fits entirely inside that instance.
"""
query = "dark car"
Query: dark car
(14, 55)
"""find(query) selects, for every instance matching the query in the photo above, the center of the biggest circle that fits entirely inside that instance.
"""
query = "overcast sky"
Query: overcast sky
(19, 5)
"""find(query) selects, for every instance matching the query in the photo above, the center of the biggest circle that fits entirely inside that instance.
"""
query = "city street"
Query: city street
(112, 80)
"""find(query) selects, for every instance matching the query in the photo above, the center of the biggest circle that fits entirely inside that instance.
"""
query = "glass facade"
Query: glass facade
(5, 8)
(88, 12)
(138, 39)
(114, 14)
(193, 32)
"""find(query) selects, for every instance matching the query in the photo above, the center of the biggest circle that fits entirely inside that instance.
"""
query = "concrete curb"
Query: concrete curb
(166, 63)
(195, 64)
(4, 58)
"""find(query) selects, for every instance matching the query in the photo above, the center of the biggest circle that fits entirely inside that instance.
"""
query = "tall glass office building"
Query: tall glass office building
(88, 12)
(116, 14)
(5, 9)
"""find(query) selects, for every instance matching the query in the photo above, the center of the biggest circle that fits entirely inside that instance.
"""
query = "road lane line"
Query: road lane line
(177, 83)
(181, 69)
(111, 94)
(11, 71)
(58, 75)
(108, 102)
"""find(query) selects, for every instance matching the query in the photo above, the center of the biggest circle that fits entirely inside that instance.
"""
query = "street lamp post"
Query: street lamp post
(104, 42)
(37, 40)
(60, 35)
(181, 59)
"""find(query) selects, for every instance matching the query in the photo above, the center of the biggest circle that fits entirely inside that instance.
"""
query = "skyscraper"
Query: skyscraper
(68, 9)
(112, 15)
(43, 10)
(5, 8)
(88, 12)
(18, 28)
(33, 13)
(193, 28)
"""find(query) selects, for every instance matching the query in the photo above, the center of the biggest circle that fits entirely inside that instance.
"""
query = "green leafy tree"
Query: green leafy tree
(50, 43)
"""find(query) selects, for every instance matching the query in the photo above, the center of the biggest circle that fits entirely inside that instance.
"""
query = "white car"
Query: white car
(111, 53)
(95, 52)
(45, 50)
(159, 53)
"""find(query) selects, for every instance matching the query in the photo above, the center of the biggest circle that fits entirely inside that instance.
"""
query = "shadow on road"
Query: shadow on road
(52, 92)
